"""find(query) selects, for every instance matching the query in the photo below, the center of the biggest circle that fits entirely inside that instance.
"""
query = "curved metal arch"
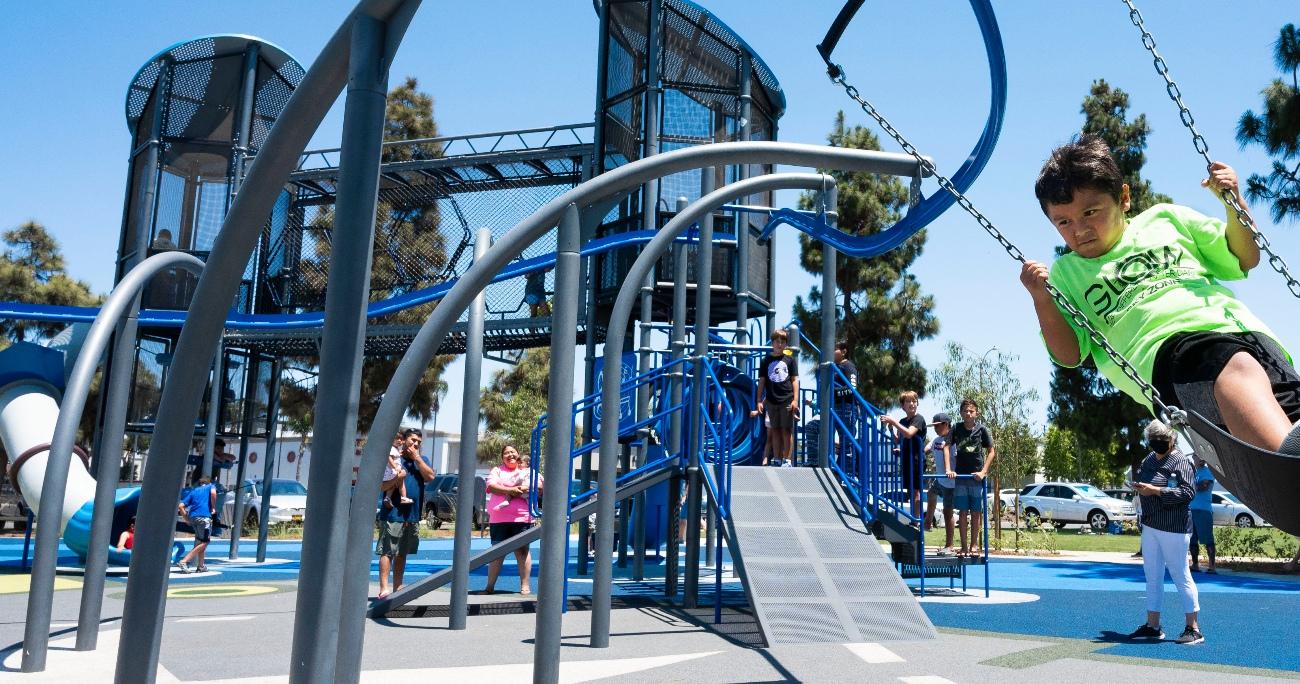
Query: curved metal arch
(931, 207)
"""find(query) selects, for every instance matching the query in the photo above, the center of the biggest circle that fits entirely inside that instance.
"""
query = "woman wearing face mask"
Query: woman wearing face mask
(508, 513)
(1165, 483)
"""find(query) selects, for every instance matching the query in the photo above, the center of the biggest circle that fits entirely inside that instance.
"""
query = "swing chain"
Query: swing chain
(1203, 148)
(1149, 392)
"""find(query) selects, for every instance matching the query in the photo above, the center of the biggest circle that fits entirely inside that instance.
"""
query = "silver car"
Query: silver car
(1073, 502)
(288, 502)
(1229, 510)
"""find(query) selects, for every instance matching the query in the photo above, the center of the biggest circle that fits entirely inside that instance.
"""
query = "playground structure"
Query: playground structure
(578, 209)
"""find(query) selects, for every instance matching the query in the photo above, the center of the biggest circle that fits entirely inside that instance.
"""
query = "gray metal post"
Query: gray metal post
(741, 221)
(825, 397)
(590, 277)
(469, 422)
(671, 556)
(649, 221)
(642, 411)
(137, 240)
(315, 644)
(108, 463)
(703, 298)
(244, 125)
(268, 465)
(123, 301)
(146, 594)
(556, 468)
(214, 412)
(611, 184)
(251, 367)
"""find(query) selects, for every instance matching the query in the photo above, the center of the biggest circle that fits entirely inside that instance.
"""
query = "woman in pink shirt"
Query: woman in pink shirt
(508, 514)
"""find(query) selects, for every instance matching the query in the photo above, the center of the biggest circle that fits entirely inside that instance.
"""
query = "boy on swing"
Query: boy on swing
(1151, 286)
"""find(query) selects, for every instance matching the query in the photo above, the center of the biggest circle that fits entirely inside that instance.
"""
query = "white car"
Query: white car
(288, 502)
(1073, 502)
(1229, 510)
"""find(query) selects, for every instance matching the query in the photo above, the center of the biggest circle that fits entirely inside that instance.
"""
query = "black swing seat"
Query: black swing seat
(1264, 480)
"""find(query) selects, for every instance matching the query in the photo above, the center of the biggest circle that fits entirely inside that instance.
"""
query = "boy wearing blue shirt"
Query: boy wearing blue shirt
(198, 506)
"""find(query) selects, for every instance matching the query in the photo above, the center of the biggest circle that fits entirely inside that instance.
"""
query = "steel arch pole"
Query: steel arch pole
(556, 468)
(469, 420)
(107, 462)
(622, 311)
(613, 183)
(146, 596)
(123, 302)
(315, 646)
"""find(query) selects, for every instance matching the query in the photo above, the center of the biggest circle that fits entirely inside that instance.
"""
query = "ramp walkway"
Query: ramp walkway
(812, 570)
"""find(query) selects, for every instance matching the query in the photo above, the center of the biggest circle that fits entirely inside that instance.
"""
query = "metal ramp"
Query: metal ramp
(811, 569)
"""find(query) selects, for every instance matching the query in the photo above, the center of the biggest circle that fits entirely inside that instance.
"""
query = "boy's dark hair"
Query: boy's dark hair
(410, 431)
(1085, 162)
(969, 402)
(843, 346)
(780, 334)
(220, 444)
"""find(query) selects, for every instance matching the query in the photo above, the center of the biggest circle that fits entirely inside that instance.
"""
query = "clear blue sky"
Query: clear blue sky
(499, 65)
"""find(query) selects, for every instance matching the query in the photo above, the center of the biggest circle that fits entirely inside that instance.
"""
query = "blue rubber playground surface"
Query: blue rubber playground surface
(1249, 619)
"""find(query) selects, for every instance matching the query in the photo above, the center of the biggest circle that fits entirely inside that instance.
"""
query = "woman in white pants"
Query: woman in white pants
(1166, 484)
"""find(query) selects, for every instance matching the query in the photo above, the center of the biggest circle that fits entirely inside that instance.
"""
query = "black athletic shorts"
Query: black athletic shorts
(504, 530)
(1188, 364)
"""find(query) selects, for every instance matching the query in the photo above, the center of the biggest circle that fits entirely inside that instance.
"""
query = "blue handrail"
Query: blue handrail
(656, 377)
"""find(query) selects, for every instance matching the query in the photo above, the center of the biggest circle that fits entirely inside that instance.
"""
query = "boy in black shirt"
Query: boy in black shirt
(973, 453)
(910, 432)
(778, 394)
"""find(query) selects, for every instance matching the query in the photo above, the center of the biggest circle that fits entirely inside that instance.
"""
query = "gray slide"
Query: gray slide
(813, 572)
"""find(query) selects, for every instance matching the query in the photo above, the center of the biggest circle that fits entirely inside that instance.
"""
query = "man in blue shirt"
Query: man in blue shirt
(197, 506)
(399, 533)
(1203, 516)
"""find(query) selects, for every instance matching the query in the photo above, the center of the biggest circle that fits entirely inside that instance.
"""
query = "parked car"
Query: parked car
(1008, 497)
(1073, 502)
(1229, 510)
(440, 496)
(1124, 494)
(288, 503)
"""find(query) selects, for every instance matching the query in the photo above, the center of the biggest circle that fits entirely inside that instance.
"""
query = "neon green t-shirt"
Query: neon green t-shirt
(1161, 278)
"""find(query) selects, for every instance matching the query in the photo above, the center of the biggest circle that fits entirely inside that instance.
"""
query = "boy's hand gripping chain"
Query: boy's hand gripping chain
(1203, 148)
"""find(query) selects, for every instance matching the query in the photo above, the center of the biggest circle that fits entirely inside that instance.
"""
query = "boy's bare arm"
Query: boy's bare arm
(1240, 242)
(1057, 333)
(794, 403)
(988, 462)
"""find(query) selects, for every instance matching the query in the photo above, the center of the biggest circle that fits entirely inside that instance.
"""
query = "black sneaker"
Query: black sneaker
(1147, 632)
(1190, 636)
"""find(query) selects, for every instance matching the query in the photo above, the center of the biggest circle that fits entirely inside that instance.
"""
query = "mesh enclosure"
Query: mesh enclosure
(184, 108)
(701, 77)
(431, 205)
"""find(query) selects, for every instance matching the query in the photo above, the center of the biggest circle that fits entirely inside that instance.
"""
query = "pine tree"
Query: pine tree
(32, 271)
(1277, 129)
(882, 312)
(1084, 402)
